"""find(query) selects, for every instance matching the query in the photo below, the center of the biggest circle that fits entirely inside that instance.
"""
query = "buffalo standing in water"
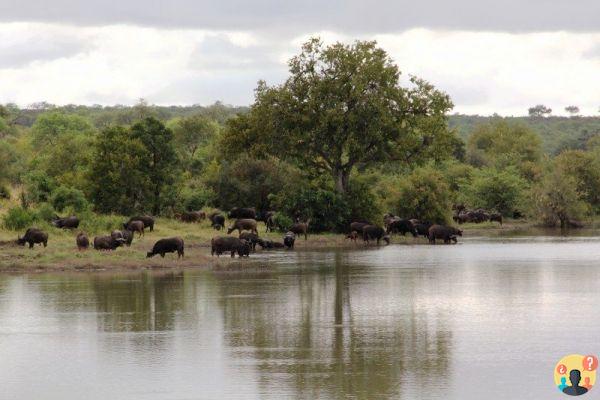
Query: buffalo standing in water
(446, 233)
(402, 226)
(289, 239)
(168, 245)
(300, 228)
(374, 232)
(220, 245)
(32, 236)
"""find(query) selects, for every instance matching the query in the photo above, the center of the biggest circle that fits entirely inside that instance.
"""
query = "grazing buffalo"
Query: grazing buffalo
(446, 233)
(32, 236)
(222, 244)
(83, 242)
(146, 219)
(242, 213)
(423, 229)
(358, 227)
(401, 226)
(353, 236)
(135, 226)
(300, 228)
(374, 232)
(289, 239)
(71, 222)
(116, 234)
(217, 221)
(107, 242)
(251, 238)
(168, 245)
(243, 225)
(192, 216)
(128, 236)
(496, 217)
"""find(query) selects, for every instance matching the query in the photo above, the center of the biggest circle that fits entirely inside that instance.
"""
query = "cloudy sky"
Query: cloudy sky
(500, 56)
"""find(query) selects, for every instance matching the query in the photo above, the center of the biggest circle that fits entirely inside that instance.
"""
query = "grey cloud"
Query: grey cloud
(22, 51)
(287, 17)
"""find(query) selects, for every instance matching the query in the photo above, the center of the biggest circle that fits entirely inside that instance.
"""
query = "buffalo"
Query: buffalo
(252, 238)
(289, 239)
(422, 229)
(358, 227)
(191, 216)
(168, 245)
(71, 222)
(270, 244)
(401, 226)
(128, 236)
(116, 234)
(107, 242)
(222, 244)
(32, 236)
(146, 219)
(446, 233)
(353, 236)
(270, 223)
(374, 232)
(300, 228)
(242, 213)
(243, 225)
(496, 217)
(217, 221)
(135, 226)
(83, 242)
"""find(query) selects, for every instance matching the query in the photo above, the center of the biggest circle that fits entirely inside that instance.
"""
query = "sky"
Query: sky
(490, 57)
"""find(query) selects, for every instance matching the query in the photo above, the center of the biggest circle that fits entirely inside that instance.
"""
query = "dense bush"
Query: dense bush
(4, 192)
(17, 218)
(45, 212)
(282, 222)
(39, 187)
(64, 197)
(197, 198)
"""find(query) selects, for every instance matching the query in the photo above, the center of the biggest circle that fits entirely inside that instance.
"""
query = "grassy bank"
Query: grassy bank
(62, 254)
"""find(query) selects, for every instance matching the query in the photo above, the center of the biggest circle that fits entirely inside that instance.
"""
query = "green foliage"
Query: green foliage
(18, 218)
(282, 222)
(196, 198)
(556, 200)
(342, 107)
(491, 189)
(423, 194)
(39, 186)
(4, 192)
(192, 133)
(501, 144)
(161, 167)
(584, 168)
(45, 212)
(50, 126)
(64, 197)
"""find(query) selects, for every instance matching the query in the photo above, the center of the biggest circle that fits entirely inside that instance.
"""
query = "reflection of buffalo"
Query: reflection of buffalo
(32, 236)
(243, 225)
(146, 219)
(241, 213)
(217, 221)
(107, 242)
(222, 244)
(401, 226)
(374, 232)
(167, 245)
(446, 233)
(71, 222)
(82, 241)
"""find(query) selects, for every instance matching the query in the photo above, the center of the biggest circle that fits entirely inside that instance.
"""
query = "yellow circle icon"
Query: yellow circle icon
(575, 374)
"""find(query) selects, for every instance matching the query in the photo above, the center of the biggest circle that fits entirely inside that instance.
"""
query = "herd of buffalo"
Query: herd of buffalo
(245, 221)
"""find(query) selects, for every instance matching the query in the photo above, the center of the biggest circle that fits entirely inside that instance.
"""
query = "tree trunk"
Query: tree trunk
(341, 177)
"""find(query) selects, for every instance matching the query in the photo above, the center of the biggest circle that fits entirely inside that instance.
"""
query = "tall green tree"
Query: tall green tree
(343, 107)
(117, 181)
(161, 166)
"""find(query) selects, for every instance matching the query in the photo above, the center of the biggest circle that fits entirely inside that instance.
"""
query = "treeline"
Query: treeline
(340, 140)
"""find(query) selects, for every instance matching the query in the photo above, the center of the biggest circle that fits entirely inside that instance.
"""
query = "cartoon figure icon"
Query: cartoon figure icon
(575, 389)
(575, 374)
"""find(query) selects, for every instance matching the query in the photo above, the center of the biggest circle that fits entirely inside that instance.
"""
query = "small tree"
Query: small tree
(573, 110)
(494, 190)
(539, 111)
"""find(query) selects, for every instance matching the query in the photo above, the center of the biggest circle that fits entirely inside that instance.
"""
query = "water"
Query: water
(485, 319)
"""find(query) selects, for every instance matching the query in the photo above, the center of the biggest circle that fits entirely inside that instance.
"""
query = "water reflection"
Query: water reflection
(398, 322)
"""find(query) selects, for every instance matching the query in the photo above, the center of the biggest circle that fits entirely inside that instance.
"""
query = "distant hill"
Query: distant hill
(557, 133)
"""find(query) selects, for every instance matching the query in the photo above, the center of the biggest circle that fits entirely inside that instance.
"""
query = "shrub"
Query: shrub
(39, 186)
(198, 198)
(18, 218)
(45, 212)
(4, 192)
(64, 197)
(282, 221)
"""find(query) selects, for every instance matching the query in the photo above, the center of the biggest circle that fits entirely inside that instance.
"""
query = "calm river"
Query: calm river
(484, 319)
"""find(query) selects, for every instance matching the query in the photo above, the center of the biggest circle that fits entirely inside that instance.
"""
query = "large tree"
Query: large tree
(343, 107)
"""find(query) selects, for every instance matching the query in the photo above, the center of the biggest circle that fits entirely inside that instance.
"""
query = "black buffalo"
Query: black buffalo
(423, 229)
(217, 221)
(146, 219)
(71, 222)
(446, 233)
(358, 227)
(243, 225)
(240, 213)
(374, 232)
(107, 242)
(300, 228)
(401, 226)
(252, 238)
(289, 239)
(32, 236)
(135, 226)
(83, 242)
(168, 245)
(222, 244)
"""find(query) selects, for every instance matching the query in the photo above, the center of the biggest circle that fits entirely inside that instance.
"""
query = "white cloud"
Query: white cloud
(484, 72)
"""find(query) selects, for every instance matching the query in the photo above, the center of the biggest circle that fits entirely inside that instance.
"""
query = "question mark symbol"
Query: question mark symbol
(561, 369)
(590, 362)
